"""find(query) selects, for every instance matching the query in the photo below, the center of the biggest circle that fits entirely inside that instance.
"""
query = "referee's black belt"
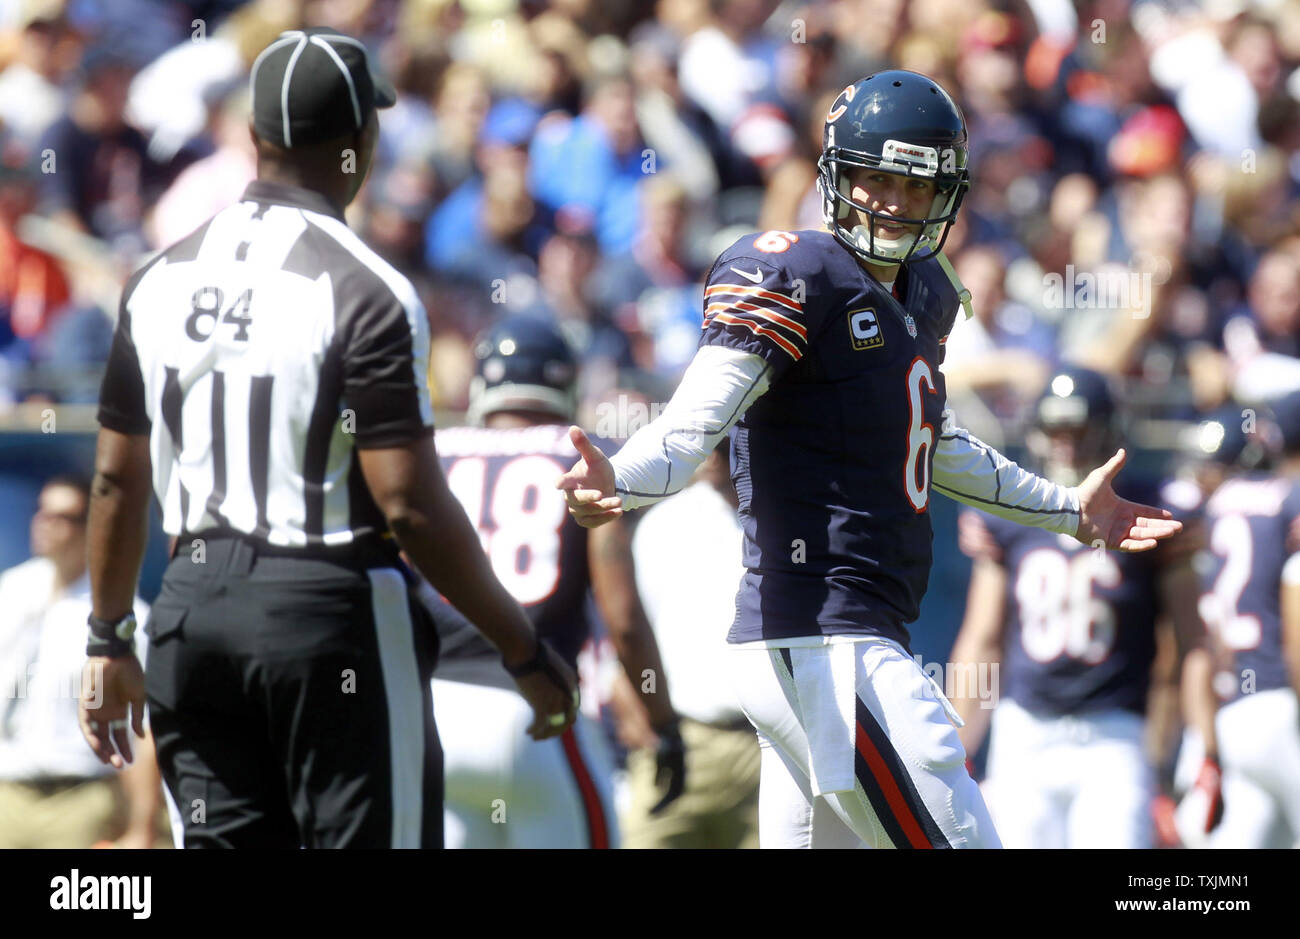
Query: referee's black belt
(370, 550)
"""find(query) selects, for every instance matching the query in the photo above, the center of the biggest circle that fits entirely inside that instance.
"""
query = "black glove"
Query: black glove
(670, 762)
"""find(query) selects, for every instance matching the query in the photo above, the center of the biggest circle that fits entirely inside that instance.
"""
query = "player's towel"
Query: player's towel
(825, 681)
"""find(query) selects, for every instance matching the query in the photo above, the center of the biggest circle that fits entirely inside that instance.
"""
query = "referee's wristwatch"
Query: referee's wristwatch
(111, 638)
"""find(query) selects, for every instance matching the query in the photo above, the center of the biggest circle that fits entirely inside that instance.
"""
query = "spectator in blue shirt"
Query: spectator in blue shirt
(595, 162)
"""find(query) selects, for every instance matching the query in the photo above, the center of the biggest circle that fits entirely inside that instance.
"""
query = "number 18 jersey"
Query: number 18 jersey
(505, 480)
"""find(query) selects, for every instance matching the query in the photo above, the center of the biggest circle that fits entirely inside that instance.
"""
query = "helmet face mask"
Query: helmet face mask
(902, 123)
(1069, 452)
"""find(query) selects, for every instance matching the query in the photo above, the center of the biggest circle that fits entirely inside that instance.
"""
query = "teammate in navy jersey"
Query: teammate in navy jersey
(822, 350)
(553, 793)
(1252, 607)
(1215, 449)
(1073, 634)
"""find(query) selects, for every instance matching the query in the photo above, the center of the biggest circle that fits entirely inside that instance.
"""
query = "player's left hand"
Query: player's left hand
(670, 765)
(110, 688)
(1116, 522)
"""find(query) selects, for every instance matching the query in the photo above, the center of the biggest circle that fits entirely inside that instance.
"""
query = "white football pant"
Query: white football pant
(1074, 781)
(1259, 753)
(506, 790)
(857, 750)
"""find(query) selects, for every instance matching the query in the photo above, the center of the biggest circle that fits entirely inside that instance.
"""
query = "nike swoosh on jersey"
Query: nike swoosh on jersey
(754, 278)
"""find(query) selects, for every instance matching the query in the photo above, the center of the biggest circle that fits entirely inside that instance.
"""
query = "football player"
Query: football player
(502, 788)
(1252, 606)
(1214, 449)
(821, 348)
(1072, 630)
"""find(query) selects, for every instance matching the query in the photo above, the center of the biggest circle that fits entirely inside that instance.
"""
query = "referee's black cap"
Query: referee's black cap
(314, 84)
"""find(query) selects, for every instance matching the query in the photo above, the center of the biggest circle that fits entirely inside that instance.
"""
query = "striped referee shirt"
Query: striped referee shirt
(259, 354)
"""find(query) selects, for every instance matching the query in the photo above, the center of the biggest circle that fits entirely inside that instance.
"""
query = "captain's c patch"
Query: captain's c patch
(865, 330)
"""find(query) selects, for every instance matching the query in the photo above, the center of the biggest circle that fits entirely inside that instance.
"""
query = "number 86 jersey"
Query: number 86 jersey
(833, 464)
(1079, 631)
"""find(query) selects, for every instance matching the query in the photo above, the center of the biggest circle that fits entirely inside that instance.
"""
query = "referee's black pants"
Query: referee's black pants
(289, 699)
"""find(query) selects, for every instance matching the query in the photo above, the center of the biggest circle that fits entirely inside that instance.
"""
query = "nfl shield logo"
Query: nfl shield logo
(910, 324)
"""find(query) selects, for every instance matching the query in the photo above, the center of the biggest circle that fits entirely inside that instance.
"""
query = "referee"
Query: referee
(267, 376)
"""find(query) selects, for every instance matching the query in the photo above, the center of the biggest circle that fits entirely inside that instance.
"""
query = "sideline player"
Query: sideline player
(1252, 606)
(821, 349)
(1074, 634)
(553, 793)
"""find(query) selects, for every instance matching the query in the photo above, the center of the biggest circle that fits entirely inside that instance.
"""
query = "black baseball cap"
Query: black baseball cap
(311, 85)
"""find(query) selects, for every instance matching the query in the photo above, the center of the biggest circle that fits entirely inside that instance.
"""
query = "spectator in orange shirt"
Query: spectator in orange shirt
(33, 288)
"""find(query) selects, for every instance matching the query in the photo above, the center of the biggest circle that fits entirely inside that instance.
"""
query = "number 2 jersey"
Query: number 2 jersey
(1079, 632)
(832, 465)
(505, 481)
(1248, 518)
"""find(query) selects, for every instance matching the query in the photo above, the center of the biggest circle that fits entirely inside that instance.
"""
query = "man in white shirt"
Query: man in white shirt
(54, 792)
(687, 556)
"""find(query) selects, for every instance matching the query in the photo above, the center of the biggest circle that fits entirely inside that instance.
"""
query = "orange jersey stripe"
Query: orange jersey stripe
(755, 292)
(769, 315)
(772, 334)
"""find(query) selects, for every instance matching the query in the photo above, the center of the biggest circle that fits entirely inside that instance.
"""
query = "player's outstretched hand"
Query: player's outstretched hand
(589, 485)
(112, 697)
(1119, 523)
(551, 689)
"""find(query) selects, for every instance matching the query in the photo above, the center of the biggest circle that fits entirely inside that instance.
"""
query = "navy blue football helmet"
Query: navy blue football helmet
(1221, 439)
(897, 122)
(1286, 417)
(1077, 405)
(523, 363)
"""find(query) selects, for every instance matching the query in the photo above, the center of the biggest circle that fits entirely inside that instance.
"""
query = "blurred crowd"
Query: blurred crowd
(1135, 170)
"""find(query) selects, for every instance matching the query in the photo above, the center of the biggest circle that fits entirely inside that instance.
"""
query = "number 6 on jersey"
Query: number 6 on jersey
(920, 436)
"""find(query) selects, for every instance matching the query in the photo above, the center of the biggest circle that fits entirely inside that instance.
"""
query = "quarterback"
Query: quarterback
(820, 356)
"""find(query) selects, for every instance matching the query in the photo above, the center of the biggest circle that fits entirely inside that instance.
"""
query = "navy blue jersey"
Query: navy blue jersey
(505, 480)
(1080, 623)
(1248, 518)
(832, 465)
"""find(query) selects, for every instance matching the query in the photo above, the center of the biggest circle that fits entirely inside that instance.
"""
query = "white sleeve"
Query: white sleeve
(970, 471)
(659, 459)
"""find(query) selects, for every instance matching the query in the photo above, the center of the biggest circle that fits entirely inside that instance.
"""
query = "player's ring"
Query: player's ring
(557, 720)
(121, 723)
